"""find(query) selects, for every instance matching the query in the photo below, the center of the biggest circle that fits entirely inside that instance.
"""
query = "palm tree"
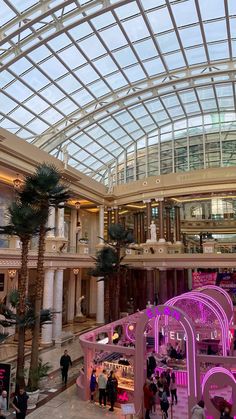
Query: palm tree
(43, 189)
(109, 266)
(24, 221)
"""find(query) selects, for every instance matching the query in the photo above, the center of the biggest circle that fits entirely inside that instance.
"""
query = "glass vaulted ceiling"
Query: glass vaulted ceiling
(98, 76)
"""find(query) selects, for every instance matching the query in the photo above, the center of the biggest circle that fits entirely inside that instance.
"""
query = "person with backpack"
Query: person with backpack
(164, 403)
(20, 403)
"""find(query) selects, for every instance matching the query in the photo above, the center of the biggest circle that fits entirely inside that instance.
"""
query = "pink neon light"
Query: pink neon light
(197, 296)
(214, 371)
(222, 291)
(156, 328)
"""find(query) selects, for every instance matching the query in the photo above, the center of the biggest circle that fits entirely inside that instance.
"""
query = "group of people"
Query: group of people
(19, 403)
(157, 389)
(107, 387)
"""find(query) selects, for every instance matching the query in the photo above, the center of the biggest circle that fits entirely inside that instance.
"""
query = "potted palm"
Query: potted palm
(110, 268)
(24, 222)
(43, 190)
(41, 377)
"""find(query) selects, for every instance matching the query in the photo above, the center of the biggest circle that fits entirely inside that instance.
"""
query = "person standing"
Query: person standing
(3, 404)
(173, 388)
(112, 385)
(164, 403)
(102, 385)
(198, 411)
(19, 403)
(151, 364)
(148, 398)
(92, 385)
(65, 362)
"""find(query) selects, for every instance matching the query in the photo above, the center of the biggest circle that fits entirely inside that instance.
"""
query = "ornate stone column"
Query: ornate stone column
(148, 203)
(177, 224)
(161, 219)
(136, 227)
(100, 302)
(73, 226)
(116, 214)
(57, 305)
(51, 222)
(71, 297)
(60, 223)
(109, 220)
(168, 223)
(48, 303)
(100, 284)
(142, 228)
(101, 223)
(150, 285)
(162, 285)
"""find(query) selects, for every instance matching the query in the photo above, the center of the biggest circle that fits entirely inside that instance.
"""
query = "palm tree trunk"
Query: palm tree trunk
(106, 300)
(22, 283)
(33, 377)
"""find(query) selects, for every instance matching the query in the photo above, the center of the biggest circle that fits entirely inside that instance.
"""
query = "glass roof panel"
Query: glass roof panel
(154, 64)
(185, 12)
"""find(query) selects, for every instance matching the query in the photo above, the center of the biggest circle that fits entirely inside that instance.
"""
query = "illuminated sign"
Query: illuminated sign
(5, 378)
(168, 311)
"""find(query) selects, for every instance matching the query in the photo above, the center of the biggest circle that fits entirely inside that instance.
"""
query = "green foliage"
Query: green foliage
(109, 258)
(11, 317)
(42, 371)
(106, 262)
(24, 220)
(44, 188)
(118, 234)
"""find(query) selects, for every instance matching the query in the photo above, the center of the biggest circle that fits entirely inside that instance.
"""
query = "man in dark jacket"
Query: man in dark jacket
(151, 364)
(19, 403)
(65, 362)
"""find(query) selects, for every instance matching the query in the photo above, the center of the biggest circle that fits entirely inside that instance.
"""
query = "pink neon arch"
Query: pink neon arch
(205, 299)
(189, 329)
(214, 376)
(228, 307)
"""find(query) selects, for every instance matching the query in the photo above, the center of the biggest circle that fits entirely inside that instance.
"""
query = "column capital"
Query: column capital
(147, 201)
(161, 199)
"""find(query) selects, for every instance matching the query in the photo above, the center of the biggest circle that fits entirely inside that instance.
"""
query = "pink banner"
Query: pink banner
(201, 279)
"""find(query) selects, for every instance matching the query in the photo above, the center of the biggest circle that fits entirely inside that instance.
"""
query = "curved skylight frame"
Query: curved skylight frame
(59, 115)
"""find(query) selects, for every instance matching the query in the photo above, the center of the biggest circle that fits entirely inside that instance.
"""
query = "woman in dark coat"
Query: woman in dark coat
(112, 386)
(93, 385)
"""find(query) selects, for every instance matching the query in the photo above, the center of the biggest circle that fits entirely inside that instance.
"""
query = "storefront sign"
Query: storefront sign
(168, 311)
(128, 409)
(201, 279)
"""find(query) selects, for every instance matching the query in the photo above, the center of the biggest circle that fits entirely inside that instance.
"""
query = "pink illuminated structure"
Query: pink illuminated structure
(210, 304)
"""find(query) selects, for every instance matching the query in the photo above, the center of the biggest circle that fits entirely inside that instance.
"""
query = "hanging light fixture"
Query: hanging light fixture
(77, 205)
(17, 182)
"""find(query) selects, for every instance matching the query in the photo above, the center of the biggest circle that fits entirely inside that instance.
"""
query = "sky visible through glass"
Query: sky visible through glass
(98, 79)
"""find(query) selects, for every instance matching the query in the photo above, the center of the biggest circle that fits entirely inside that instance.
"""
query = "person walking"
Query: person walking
(173, 388)
(198, 411)
(112, 385)
(164, 402)
(102, 385)
(20, 403)
(93, 385)
(65, 362)
(148, 398)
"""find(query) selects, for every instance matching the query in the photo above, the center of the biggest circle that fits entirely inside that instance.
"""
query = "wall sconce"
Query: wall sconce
(12, 273)
(75, 271)
(17, 182)
(77, 205)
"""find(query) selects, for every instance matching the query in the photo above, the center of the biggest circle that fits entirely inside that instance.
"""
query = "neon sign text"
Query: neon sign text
(168, 311)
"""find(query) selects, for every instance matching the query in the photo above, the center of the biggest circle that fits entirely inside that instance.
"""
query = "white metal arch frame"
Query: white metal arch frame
(26, 33)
